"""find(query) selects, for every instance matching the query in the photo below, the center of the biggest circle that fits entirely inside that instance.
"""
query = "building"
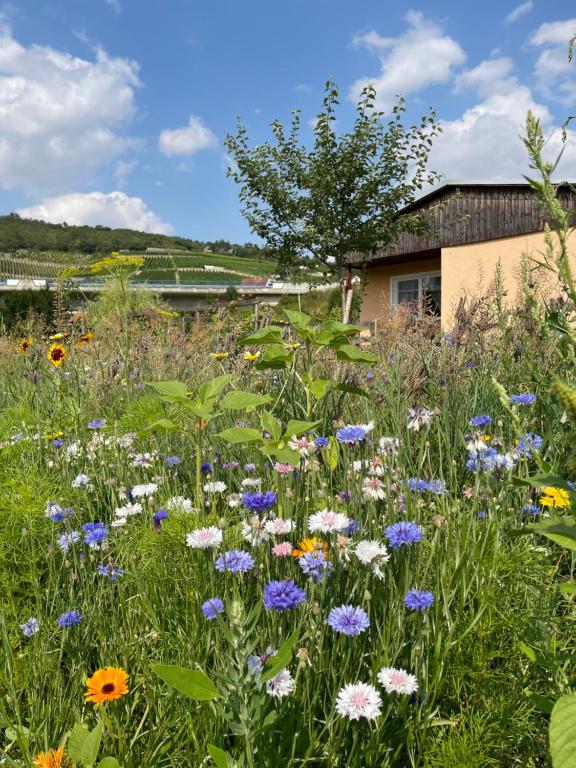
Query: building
(474, 227)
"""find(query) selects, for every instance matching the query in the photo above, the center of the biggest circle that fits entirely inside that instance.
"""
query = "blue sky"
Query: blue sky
(114, 111)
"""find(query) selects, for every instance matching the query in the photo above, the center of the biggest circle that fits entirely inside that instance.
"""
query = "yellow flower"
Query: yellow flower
(85, 338)
(310, 545)
(166, 313)
(251, 357)
(56, 354)
(56, 336)
(25, 345)
(219, 355)
(106, 684)
(554, 497)
(53, 435)
(54, 758)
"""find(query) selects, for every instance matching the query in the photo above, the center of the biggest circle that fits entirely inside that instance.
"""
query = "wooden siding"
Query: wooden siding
(462, 214)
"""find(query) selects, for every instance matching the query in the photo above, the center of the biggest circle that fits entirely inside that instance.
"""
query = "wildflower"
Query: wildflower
(80, 481)
(321, 442)
(30, 627)
(143, 490)
(554, 497)
(218, 355)
(256, 663)
(254, 531)
(159, 517)
(389, 445)
(251, 357)
(419, 485)
(110, 570)
(106, 684)
(373, 488)
(282, 595)
(235, 561)
(279, 526)
(351, 434)
(281, 685)
(57, 336)
(143, 460)
(128, 510)
(327, 521)
(528, 444)
(25, 345)
(309, 545)
(302, 445)
(204, 538)
(348, 620)
(358, 700)
(54, 512)
(418, 600)
(315, 564)
(403, 534)
(480, 421)
(179, 504)
(69, 619)
(84, 338)
(56, 354)
(249, 467)
(419, 417)
(212, 607)
(95, 533)
(215, 487)
(54, 758)
(369, 551)
(530, 509)
(282, 549)
(259, 502)
(206, 468)
(397, 681)
(172, 461)
(228, 465)
(283, 469)
(525, 398)
(67, 540)
(97, 424)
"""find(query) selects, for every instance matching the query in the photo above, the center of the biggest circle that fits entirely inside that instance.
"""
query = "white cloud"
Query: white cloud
(61, 117)
(555, 75)
(489, 77)
(421, 56)
(114, 209)
(188, 140)
(519, 11)
(123, 169)
(115, 5)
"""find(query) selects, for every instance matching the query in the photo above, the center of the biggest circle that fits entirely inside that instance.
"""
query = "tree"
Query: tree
(341, 196)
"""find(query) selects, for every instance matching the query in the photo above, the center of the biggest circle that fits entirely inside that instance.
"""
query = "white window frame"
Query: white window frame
(413, 276)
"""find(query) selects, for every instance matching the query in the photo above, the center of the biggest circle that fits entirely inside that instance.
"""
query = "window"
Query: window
(422, 290)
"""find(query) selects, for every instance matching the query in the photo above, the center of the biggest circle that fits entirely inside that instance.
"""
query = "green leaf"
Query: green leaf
(298, 319)
(191, 682)
(542, 481)
(541, 703)
(270, 335)
(237, 400)
(560, 530)
(297, 428)
(213, 387)
(529, 652)
(280, 661)
(91, 747)
(319, 387)
(332, 453)
(76, 741)
(173, 391)
(562, 732)
(568, 588)
(220, 757)
(354, 355)
(109, 762)
(271, 425)
(351, 390)
(275, 356)
(240, 435)
(284, 455)
(161, 424)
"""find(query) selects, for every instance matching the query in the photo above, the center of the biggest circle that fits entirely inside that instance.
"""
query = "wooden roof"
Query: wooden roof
(466, 212)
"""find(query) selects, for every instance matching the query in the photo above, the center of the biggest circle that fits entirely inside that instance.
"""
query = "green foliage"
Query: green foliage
(563, 732)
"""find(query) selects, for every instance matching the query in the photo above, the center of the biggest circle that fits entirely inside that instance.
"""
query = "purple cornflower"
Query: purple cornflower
(418, 600)
(315, 565)
(370, 376)
(172, 461)
(259, 502)
(344, 495)
(321, 442)
(30, 627)
(249, 467)
(231, 465)
(348, 620)
(159, 516)
(110, 570)
(212, 607)
(529, 443)
(235, 561)
(351, 434)
(95, 533)
(69, 619)
(403, 534)
(525, 398)
(96, 424)
(481, 421)
(67, 540)
(34, 377)
(282, 595)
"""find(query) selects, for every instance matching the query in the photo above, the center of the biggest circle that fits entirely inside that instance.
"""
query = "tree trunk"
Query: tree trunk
(347, 294)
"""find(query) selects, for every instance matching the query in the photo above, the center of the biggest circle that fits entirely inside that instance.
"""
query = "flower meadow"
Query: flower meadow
(312, 554)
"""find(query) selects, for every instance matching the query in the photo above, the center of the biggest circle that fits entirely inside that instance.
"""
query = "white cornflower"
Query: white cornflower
(389, 445)
(367, 427)
(397, 681)
(358, 465)
(376, 467)
(279, 526)
(81, 481)
(254, 531)
(204, 538)
(327, 521)
(120, 522)
(281, 685)
(128, 510)
(358, 700)
(72, 450)
(369, 552)
(373, 488)
(419, 417)
(144, 490)
(234, 500)
(125, 441)
(302, 445)
(143, 460)
(251, 482)
(53, 509)
(179, 504)
(217, 486)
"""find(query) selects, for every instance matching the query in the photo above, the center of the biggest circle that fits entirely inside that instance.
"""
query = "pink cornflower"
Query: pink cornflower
(282, 549)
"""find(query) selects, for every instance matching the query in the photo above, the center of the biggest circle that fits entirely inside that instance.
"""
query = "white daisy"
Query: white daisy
(204, 538)
(327, 521)
(281, 685)
(358, 700)
(397, 680)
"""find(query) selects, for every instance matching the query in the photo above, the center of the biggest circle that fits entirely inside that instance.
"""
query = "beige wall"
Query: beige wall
(377, 299)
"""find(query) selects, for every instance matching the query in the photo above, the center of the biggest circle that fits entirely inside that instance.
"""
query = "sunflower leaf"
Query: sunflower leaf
(191, 682)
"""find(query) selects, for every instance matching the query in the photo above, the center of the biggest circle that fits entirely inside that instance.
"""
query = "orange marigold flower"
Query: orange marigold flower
(54, 758)
(56, 354)
(106, 684)
(309, 545)
(25, 345)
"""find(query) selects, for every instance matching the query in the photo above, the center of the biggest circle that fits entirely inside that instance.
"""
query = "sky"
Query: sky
(114, 112)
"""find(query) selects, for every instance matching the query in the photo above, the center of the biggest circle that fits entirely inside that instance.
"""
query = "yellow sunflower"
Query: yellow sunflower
(56, 354)
(25, 345)
(309, 545)
(56, 336)
(54, 758)
(106, 685)
(85, 338)
(554, 497)
(219, 355)
(251, 357)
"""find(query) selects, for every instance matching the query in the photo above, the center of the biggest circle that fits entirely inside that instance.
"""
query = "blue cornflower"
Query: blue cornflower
(97, 424)
(349, 620)
(256, 664)
(110, 570)
(321, 442)
(352, 528)
(481, 421)
(482, 461)
(481, 515)
(531, 509)
(370, 376)
(420, 485)
(69, 619)
(158, 517)
(314, 564)
(30, 627)
(529, 443)
(172, 461)
(418, 600)
(259, 502)
(95, 533)
(525, 398)
(235, 561)
(212, 607)
(67, 539)
(403, 534)
(206, 468)
(282, 595)
(351, 434)
(54, 512)
(57, 443)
